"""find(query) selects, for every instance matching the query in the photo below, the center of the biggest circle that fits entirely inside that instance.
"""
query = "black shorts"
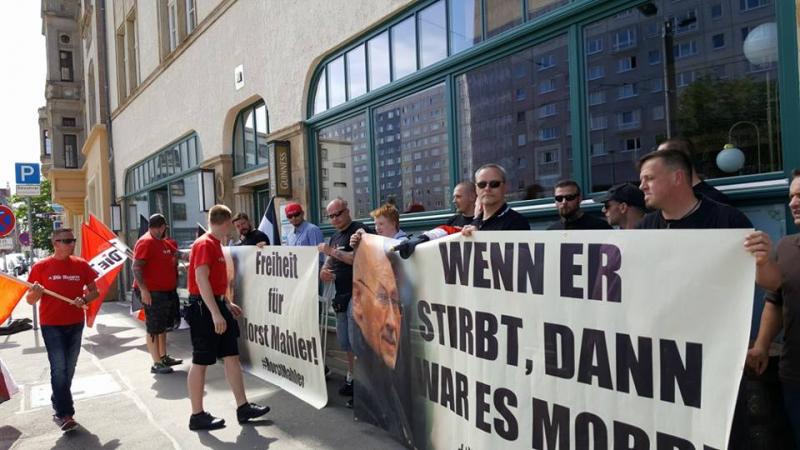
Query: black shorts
(207, 345)
(163, 313)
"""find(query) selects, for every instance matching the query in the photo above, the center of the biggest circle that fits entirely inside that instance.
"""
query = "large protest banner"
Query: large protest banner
(554, 340)
(277, 290)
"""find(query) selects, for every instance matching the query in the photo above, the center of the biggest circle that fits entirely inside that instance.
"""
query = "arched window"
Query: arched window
(250, 138)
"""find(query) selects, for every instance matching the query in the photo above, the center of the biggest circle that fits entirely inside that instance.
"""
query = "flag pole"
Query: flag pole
(46, 291)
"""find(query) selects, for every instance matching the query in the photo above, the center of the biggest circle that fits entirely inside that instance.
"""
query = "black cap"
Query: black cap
(156, 220)
(623, 193)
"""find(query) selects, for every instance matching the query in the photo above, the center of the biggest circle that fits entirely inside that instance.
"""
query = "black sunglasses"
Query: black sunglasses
(494, 184)
(67, 241)
(569, 197)
(292, 216)
(335, 215)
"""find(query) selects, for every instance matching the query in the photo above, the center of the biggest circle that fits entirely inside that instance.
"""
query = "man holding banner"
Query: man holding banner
(214, 330)
(155, 282)
(62, 323)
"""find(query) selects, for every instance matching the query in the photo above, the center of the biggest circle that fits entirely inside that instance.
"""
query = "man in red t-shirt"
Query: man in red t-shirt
(62, 322)
(155, 282)
(214, 330)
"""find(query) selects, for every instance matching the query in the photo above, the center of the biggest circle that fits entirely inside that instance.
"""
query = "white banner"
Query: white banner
(280, 339)
(556, 340)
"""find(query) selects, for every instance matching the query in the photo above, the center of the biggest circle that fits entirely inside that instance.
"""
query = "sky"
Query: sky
(22, 78)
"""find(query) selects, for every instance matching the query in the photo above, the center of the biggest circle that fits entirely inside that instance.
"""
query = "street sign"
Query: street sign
(27, 173)
(25, 239)
(6, 244)
(7, 221)
(29, 190)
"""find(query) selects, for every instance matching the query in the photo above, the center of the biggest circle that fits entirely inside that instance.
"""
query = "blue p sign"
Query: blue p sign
(27, 173)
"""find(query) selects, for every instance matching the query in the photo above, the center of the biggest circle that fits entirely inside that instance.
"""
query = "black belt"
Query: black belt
(198, 298)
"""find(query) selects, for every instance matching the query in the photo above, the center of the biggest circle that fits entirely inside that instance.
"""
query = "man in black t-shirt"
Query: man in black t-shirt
(496, 215)
(248, 235)
(464, 196)
(568, 201)
(338, 268)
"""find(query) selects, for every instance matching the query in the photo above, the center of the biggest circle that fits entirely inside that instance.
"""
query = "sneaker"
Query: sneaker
(66, 423)
(346, 390)
(161, 368)
(205, 421)
(170, 361)
(250, 411)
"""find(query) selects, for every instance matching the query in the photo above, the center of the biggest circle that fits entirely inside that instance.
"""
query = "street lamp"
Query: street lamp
(731, 158)
(761, 48)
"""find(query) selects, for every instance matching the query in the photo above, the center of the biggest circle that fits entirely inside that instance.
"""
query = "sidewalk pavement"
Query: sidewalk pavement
(120, 404)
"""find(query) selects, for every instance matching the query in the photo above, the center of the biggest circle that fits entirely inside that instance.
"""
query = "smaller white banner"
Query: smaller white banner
(29, 190)
(6, 243)
(280, 340)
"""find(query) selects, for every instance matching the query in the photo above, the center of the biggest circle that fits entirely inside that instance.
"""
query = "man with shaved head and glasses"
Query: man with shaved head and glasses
(495, 215)
(62, 322)
(568, 201)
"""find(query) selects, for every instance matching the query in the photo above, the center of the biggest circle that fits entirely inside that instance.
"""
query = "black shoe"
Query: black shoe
(349, 403)
(346, 390)
(250, 411)
(205, 421)
(161, 368)
(170, 361)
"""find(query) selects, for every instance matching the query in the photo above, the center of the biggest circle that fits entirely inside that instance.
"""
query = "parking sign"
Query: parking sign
(28, 179)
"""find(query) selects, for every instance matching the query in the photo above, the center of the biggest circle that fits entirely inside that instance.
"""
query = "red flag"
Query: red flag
(11, 292)
(106, 254)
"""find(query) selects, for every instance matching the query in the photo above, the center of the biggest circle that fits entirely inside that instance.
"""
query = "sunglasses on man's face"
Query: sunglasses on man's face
(67, 241)
(568, 197)
(494, 184)
(337, 214)
(292, 216)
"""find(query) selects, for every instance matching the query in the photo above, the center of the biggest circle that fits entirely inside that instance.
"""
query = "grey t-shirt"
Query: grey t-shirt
(788, 298)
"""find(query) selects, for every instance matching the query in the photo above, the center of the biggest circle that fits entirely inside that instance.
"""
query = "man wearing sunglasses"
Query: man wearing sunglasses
(62, 323)
(303, 232)
(623, 205)
(338, 268)
(496, 215)
(568, 202)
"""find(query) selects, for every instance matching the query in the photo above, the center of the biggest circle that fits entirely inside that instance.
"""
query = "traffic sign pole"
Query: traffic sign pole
(30, 231)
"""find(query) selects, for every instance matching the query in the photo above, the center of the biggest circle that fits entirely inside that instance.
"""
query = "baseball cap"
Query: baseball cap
(293, 208)
(623, 193)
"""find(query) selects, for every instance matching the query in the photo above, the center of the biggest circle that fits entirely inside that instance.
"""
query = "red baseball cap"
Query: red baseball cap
(293, 209)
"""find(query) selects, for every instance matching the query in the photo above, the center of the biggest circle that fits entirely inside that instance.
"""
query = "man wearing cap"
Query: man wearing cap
(247, 234)
(155, 282)
(303, 233)
(568, 201)
(623, 205)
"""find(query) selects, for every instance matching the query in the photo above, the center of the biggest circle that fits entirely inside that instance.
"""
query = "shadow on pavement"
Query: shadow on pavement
(171, 386)
(84, 439)
(8, 436)
(249, 437)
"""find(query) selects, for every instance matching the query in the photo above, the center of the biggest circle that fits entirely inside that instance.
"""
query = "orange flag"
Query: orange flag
(11, 292)
(106, 254)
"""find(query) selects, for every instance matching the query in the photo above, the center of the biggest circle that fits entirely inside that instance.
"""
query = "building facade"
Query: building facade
(398, 101)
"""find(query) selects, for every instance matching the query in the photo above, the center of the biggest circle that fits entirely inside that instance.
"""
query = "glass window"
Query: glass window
(537, 8)
(465, 24)
(716, 10)
(489, 122)
(431, 164)
(249, 138)
(336, 93)
(343, 145)
(262, 129)
(404, 49)
(356, 72)
(378, 53)
(715, 92)
(502, 15)
(186, 210)
(320, 96)
(432, 26)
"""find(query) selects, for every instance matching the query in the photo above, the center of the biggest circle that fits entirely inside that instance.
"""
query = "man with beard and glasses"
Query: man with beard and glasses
(568, 201)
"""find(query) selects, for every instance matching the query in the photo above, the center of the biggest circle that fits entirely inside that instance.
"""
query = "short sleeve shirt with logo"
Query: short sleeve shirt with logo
(159, 258)
(207, 250)
(67, 277)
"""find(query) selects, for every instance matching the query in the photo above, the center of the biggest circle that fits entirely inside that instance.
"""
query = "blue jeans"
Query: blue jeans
(63, 343)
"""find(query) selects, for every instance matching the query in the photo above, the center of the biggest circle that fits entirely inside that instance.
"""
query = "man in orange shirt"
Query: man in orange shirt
(155, 282)
(214, 330)
(62, 323)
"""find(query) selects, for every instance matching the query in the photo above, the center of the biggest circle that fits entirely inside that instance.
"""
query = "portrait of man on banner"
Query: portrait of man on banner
(382, 296)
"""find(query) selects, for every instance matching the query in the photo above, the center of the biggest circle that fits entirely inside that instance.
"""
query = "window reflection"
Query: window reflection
(356, 72)
(261, 133)
(465, 24)
(411, 144)
(502, 15)
(404, 49)
(432, 25)
(378, 53)
(345, 166)
(249, 139)
(526, 134)
(320, 96)
(538, 8)
(336, 95)
(714, 87)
